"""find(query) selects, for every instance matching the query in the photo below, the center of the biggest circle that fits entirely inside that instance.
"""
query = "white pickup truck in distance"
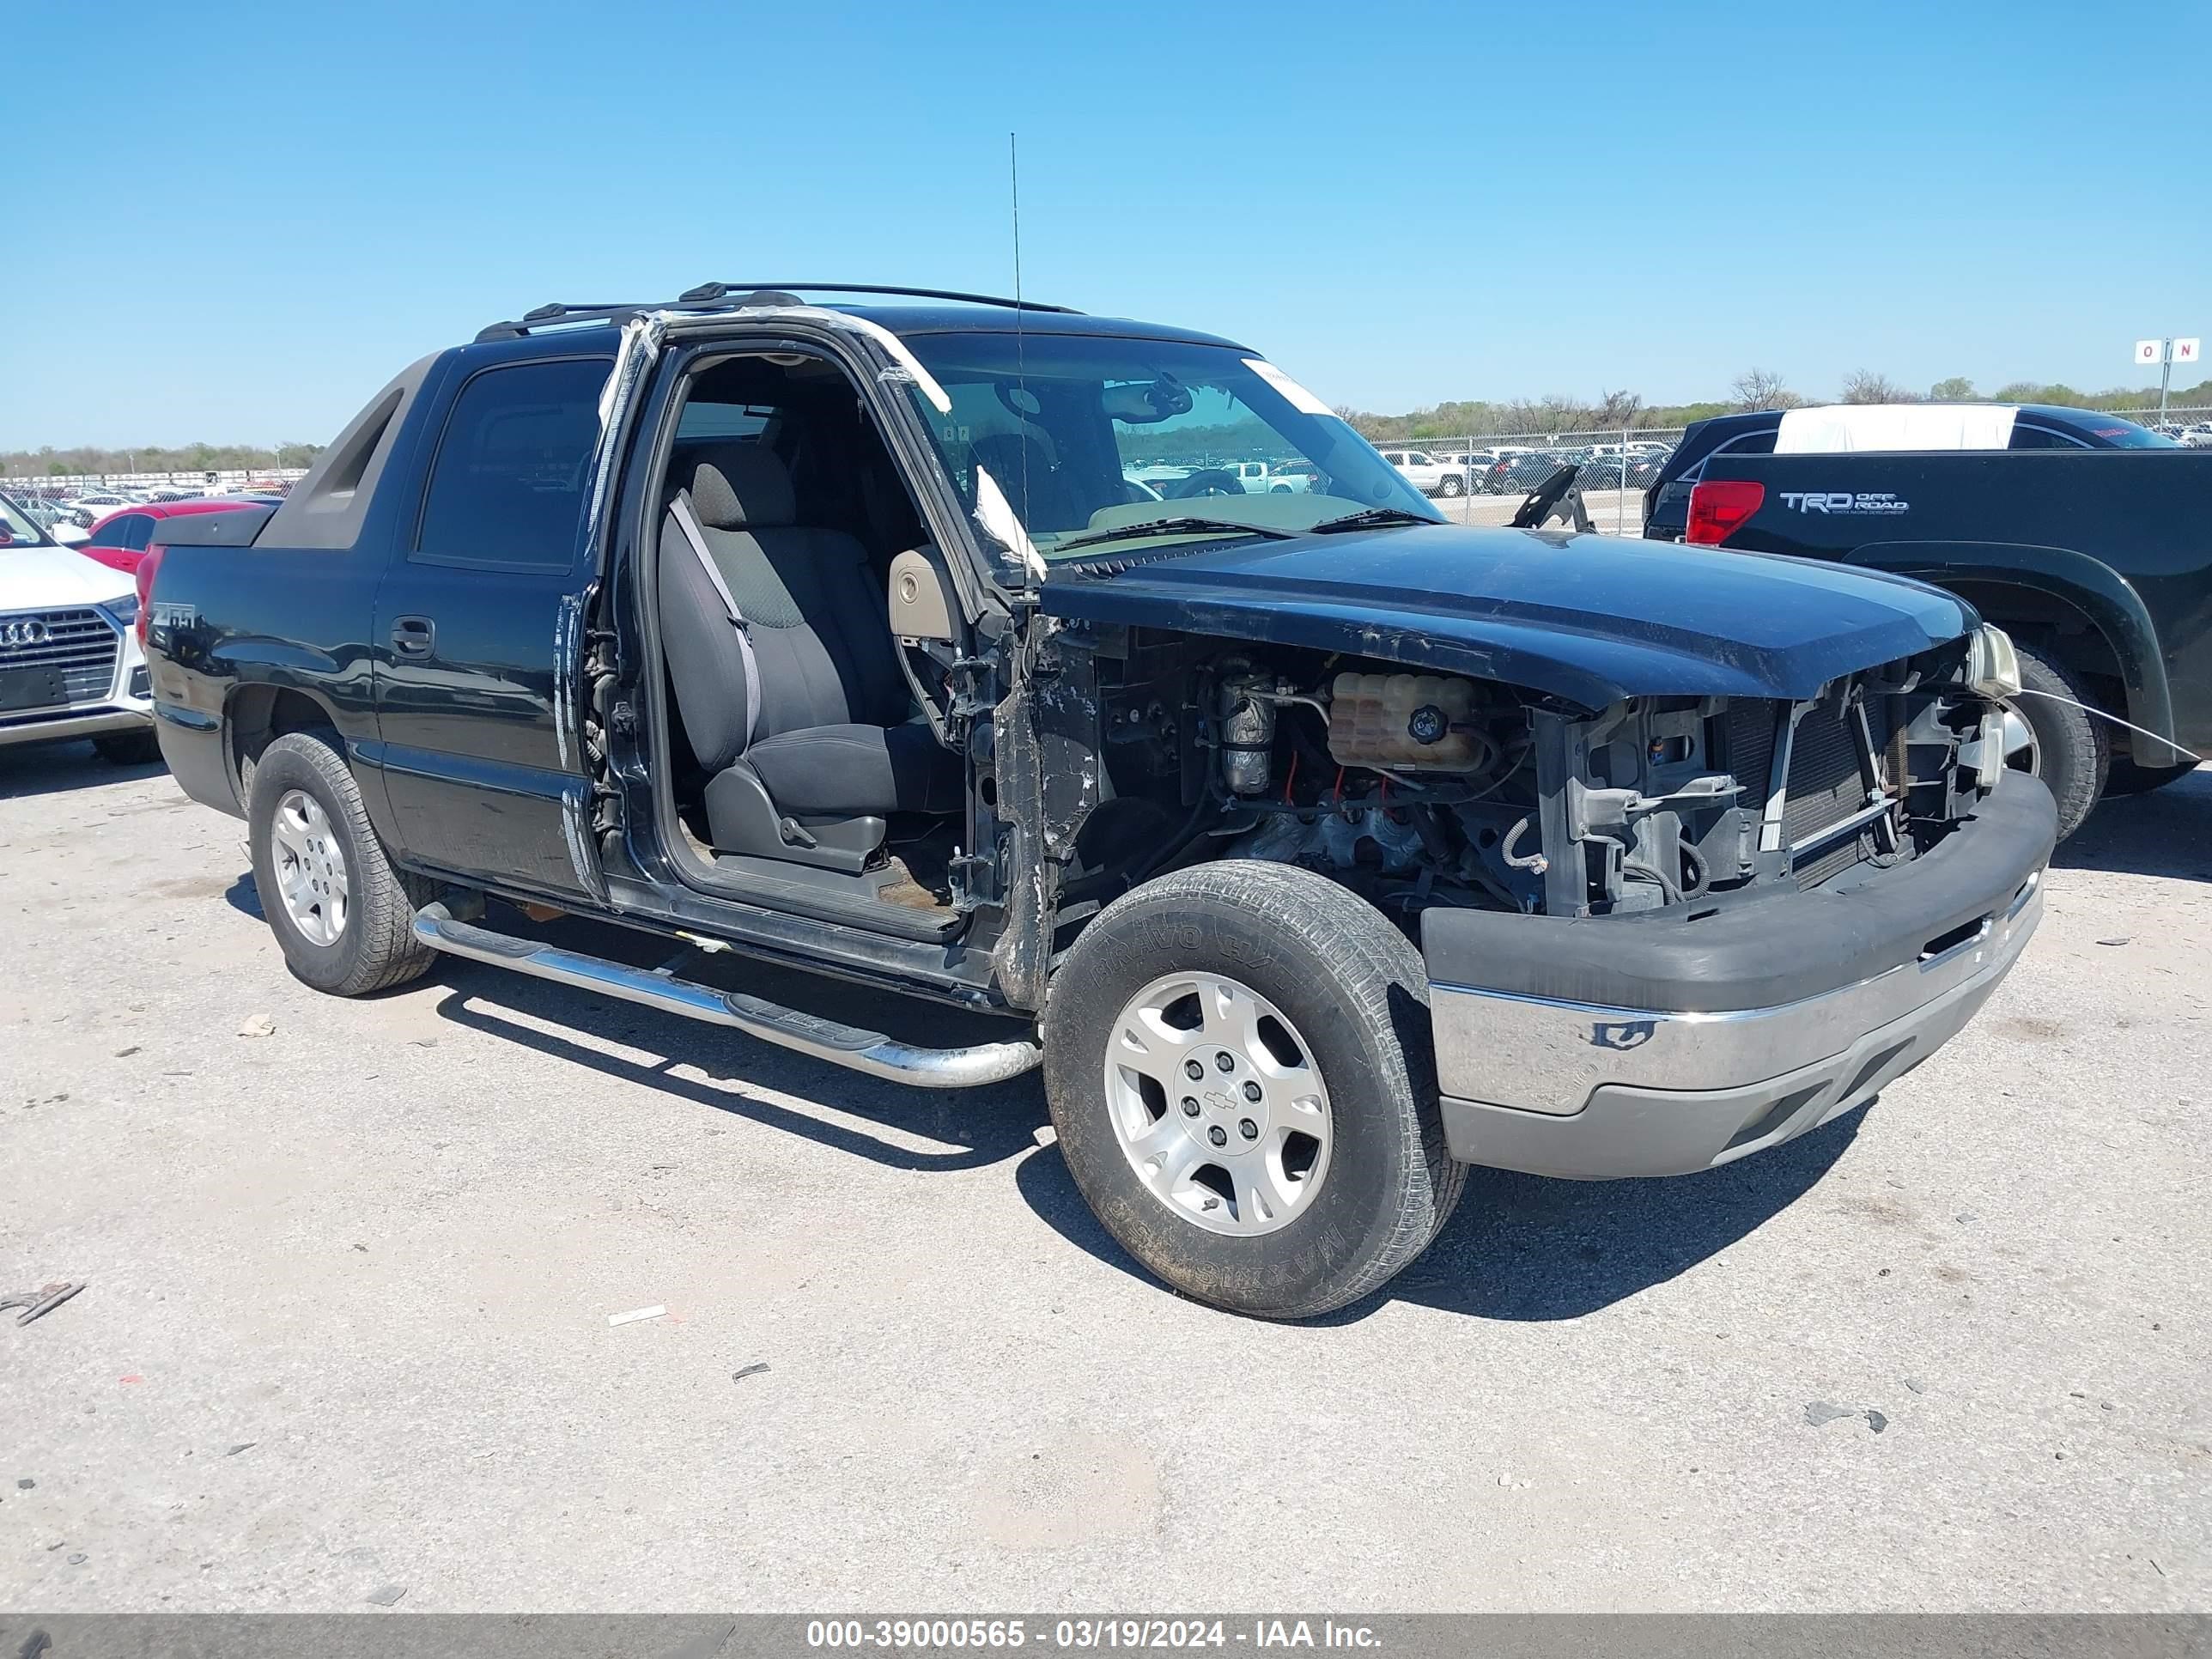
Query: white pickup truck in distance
(1427, 473)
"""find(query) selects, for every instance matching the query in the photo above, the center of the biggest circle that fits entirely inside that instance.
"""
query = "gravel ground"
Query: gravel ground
(347, 1329)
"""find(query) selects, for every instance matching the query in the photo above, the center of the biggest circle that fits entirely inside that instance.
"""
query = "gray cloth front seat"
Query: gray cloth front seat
(831, 738)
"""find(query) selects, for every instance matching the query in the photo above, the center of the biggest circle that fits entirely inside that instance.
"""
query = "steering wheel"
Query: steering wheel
(1207, 481)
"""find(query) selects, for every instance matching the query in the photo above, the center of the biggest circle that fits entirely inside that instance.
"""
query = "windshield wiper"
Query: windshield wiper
(1370, 518)
(1174, 527)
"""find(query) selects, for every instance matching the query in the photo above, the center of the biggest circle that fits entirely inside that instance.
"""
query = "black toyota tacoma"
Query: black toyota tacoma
(1314, 848)
(2086, 538)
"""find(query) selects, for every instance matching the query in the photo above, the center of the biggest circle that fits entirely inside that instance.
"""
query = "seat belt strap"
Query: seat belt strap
(688, 524)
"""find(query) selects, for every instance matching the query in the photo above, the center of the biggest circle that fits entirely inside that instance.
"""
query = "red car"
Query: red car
(122, 537)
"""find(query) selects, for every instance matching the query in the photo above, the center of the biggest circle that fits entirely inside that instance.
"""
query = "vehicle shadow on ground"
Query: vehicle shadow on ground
(48, 768)
(1525, 1247)
(866, 1117)
(1519, 1248)
(243, 897)
(2168, 832)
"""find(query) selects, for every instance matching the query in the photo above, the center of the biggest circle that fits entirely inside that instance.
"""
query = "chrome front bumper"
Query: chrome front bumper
(1599, 1093)
(1690, 1066)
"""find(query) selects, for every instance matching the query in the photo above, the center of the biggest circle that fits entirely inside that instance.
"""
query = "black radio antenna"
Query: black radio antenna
(1021, 360)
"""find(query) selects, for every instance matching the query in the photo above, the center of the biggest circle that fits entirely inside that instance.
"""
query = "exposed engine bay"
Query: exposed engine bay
(1420, 789)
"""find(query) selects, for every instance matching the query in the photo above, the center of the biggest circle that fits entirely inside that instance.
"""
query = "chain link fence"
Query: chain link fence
(2191, 425)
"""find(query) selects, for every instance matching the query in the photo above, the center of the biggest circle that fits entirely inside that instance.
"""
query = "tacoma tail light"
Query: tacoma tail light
(1720, 507)
(147, 567)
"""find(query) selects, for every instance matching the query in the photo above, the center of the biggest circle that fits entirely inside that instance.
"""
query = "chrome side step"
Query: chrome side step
(870, 1052)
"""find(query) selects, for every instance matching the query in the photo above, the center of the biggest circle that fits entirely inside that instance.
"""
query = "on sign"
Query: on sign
(2185, 351)
(2147, 351)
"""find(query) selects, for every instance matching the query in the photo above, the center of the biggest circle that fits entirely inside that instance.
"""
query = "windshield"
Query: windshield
(17, 528)
(1089, 437)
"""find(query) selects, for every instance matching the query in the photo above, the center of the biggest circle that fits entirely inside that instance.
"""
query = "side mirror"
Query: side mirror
(921, 607)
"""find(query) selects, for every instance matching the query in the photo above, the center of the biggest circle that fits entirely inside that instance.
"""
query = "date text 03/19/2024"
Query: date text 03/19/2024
(1129, 1634)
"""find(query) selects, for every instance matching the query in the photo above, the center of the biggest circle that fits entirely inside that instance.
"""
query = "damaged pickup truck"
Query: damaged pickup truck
(1315, 848)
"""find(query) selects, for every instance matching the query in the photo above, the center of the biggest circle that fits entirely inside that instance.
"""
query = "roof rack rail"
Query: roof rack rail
(545, 316)
(706, 292)
(712, 294)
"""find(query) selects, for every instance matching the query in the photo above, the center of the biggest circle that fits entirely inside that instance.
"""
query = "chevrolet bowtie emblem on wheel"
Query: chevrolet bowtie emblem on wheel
(23, 633)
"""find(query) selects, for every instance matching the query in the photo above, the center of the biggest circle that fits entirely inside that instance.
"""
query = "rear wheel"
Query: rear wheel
(1237, 1062)
(1451, 487)
(342, 913)
(2070, 750)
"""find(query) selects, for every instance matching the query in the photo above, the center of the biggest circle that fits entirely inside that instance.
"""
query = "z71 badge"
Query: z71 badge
(1815, 500)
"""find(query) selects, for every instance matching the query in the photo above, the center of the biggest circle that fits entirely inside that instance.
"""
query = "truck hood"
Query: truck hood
(1591, 618)
(51, 578)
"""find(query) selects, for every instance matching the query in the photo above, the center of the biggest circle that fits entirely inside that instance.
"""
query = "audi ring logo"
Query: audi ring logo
(23, 633)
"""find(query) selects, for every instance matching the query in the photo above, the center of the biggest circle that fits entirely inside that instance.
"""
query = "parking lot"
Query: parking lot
(1612, 510)
(351, 1266)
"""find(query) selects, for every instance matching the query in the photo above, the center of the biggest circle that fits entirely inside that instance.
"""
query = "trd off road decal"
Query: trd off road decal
(1881, 503)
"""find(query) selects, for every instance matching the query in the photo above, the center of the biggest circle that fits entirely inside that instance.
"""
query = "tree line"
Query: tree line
(1755, 388)
(52, 463)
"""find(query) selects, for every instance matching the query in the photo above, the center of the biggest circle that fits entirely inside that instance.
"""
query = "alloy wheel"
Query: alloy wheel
(311, 871)
(1218, 1103)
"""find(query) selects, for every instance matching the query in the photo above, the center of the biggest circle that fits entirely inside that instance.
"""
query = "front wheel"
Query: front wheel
(1237, 1064)
(342, 913)
(1451, 488)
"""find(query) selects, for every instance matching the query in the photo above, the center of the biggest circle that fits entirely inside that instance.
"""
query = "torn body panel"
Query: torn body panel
(1050, 778)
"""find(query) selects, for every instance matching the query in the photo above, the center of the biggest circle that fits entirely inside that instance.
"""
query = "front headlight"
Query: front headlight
(1992, 665)
(123, 612)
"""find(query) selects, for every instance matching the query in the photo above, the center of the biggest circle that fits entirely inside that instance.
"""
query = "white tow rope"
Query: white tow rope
(2106, 714)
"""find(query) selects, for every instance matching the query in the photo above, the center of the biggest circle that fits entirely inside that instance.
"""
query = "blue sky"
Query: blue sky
(254, 217)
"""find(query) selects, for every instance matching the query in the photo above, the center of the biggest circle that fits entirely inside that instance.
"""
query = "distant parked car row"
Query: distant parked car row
(2198, 436)
(1171, 482)
(1516, 469)
(69, 515)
